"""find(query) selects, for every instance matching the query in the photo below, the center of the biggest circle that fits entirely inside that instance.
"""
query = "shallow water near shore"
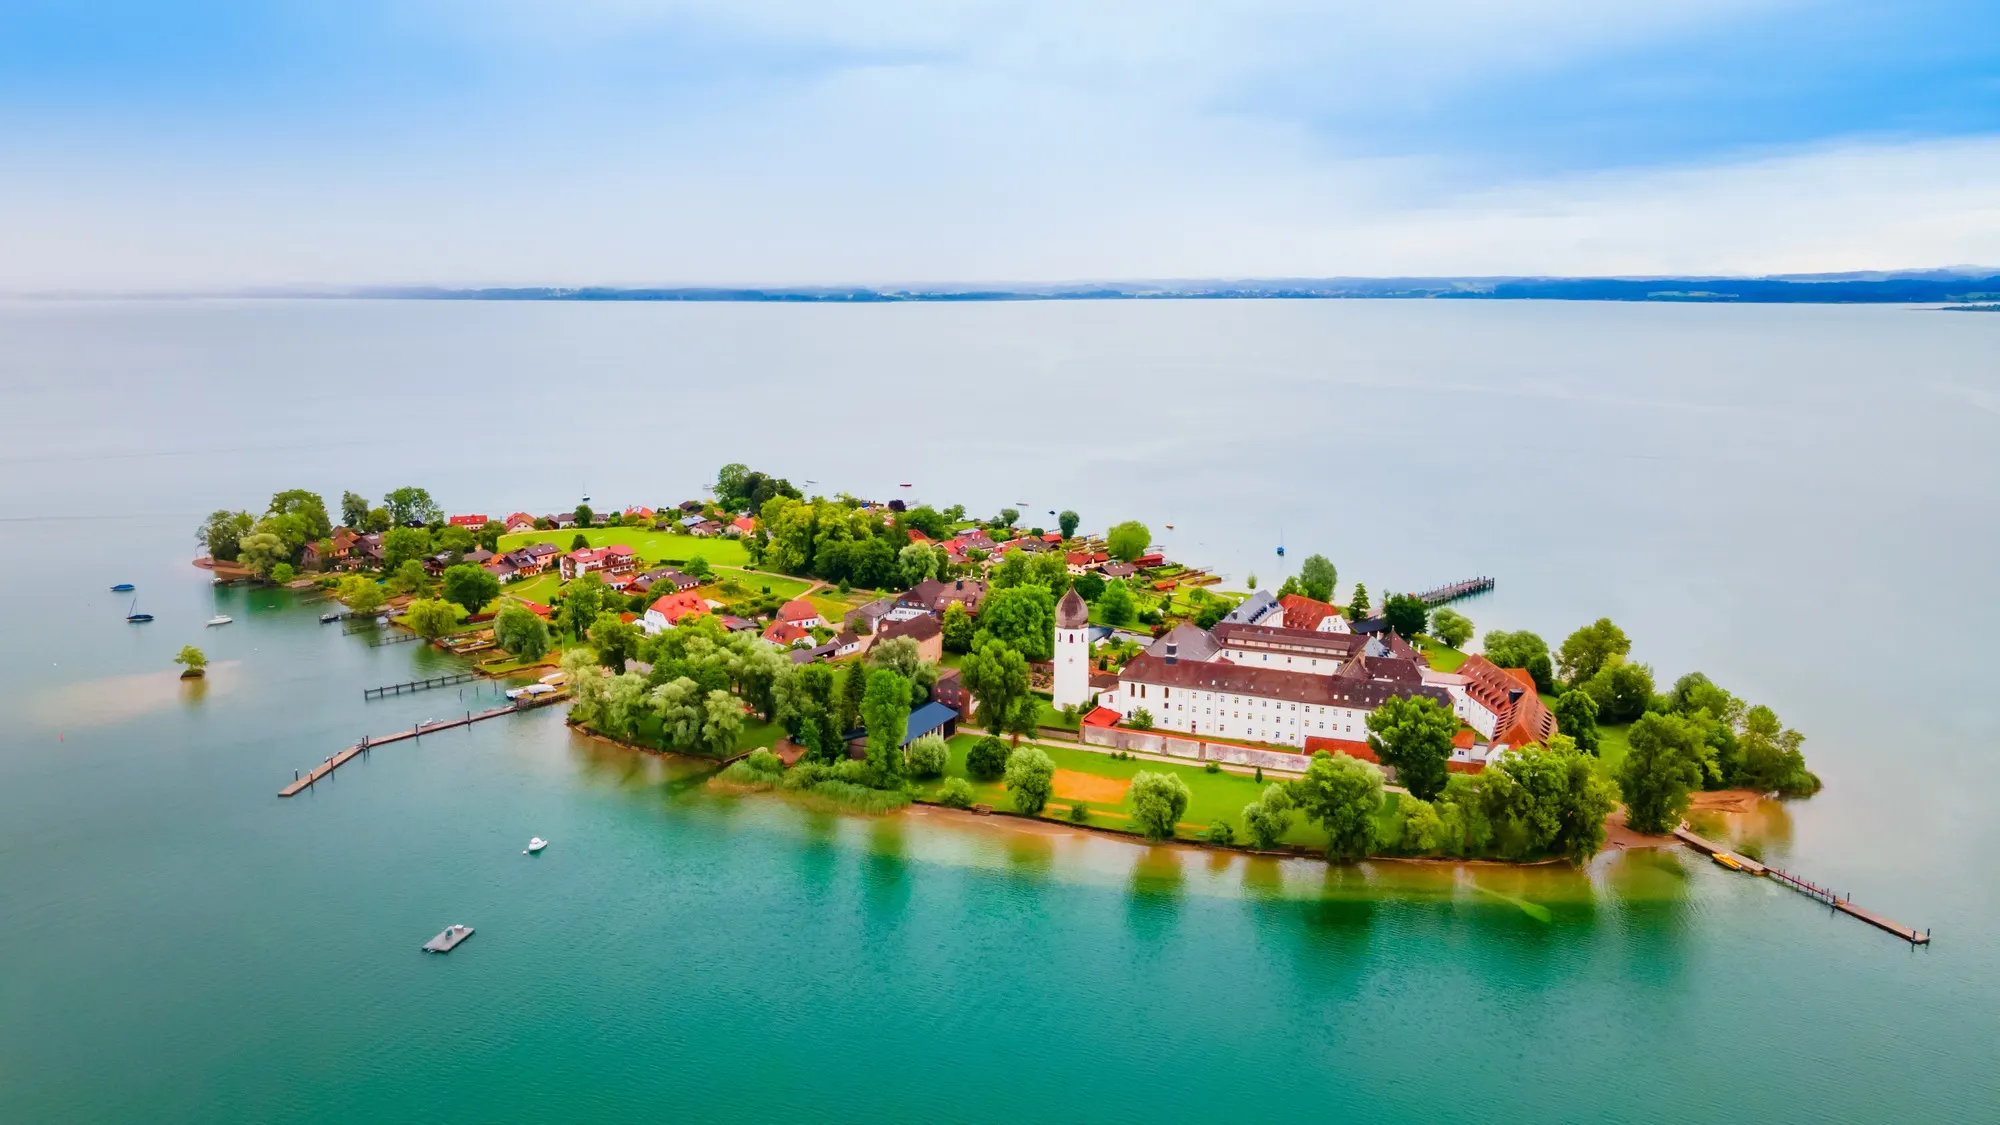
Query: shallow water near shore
(1758, 492)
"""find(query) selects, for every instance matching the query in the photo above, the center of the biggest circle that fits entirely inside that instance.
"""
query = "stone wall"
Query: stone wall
(1200, 750)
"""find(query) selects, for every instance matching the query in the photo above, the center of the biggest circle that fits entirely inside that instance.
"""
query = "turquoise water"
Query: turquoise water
(1798, 501)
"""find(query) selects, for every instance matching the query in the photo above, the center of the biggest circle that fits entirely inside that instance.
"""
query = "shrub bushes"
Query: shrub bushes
(956, 794)
(988, 759)
(927, 756)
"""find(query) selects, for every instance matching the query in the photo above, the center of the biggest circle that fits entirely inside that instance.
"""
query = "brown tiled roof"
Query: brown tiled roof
(1272, 683)
(1302, 612)
(1510, 694)
(916, 628)
(933, 595)
(1268, 638)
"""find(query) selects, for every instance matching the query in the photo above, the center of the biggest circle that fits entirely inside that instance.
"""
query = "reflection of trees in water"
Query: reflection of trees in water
(1154, 896)
(1030, 853)
(885, 867)
(1648, 913)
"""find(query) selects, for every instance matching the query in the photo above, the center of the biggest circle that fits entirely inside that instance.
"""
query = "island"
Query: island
(867, 655)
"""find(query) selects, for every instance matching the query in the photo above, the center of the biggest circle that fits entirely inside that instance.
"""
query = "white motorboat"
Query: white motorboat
(535, 844)
(220, 619)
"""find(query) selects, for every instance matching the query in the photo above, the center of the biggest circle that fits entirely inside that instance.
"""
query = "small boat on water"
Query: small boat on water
(448, 940)
(326, 617)
(134, 616)
(123, 588)
(535, 845)
(1724, 859)
(220, 619)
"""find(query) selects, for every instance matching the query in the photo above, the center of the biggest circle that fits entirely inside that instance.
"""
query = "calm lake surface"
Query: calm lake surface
(1798, 501)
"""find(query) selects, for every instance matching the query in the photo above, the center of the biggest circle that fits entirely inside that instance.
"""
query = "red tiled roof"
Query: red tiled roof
(675, 606)
(798, 609)
(1102, 717)
(785, 634)
(536, 608)
(743, 524)
(468, 521)
(1302, 612)
(1346, 746)
(1509, 693)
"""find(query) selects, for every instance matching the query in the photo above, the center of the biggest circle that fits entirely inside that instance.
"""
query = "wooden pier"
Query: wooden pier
(397, 638)
(1842, 903)
(1439, 595)
(387, 690)
(324, 769)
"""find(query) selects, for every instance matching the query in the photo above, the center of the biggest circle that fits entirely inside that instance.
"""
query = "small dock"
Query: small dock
(1842, 903)
(449, 939)
(387, 690)
(1451, 592)
(397, 638)
(320, 772)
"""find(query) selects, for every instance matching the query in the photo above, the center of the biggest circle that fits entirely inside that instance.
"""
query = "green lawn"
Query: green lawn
(652, 546)
(1612, 747)
(541, 588)
(1047, 715)
(1442, 656)
(1213, 796)
(755, 581)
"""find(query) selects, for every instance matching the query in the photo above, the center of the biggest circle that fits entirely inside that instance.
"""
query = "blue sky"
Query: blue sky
(688, 141)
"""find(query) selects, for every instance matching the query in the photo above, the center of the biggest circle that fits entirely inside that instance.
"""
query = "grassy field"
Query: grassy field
(651, 546)
(1099, 780)
(1442, 656)
(755, 581)
(1612, 747)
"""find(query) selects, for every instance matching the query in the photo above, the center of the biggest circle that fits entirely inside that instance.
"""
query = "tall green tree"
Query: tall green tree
(1451, 627)
(1116, 603)
(260, 551)
(409, 504)
(847, 709)
(520, 631)
(1342, 794)
(1023, 618)
(582, 601)
(1158, 802)
(1317, 578)
(1067, 521)
(584, 516)
(1008, 518)
(470, 586)
(1589, 649)
(221, 534)
(1050, 571)
(1576, 716)
(1269, 817)
(615, 640)
(903, 656)
(1406, 614)
(361, 594)
(1128, 540)
(401, 544)
(1661, 769)
(915, 563)
(1413, 733)
(1622, 691)
(1523, 650)
(997, 677)
(1030, 778)
(958, 628)
(885, 714)
(1357, 606)
(430, 618)
(729, 480)
(354, 511)
(1773, 756)
(192, 659)
(307, 506)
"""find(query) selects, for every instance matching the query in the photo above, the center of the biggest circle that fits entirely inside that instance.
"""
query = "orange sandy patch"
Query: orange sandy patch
(1617, 834)
(1727, 800)
(1090, 787)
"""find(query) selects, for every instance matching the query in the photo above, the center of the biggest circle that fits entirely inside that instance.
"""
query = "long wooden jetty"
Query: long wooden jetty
(320, 772)
(1842, 903)
(387, 690)
(397, 638)
(1450, 592)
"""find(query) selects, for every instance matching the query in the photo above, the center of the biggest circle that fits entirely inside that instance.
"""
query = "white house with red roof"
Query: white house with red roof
(520, 521)
(638, 514)
(468, 521)
(614, 560)
(784, 634)
(801, 613)
(742, 525)
(668, 610)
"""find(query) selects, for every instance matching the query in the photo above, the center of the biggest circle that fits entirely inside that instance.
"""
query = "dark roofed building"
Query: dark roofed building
(1072, 612)
(930, 717)
(932, 596)
(1187, 642)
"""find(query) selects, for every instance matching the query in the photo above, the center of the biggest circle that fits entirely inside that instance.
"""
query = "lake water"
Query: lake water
(1797, 500)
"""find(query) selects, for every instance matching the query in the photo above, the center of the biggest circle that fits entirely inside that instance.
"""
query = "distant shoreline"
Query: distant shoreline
(1962, 289)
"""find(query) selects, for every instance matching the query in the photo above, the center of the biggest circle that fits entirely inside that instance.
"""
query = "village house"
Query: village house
(932, 596)
(616, 560)
(924, 630)
(561, 520)
(801, 613)
(533, 558)
(784, 634)
(950, 690)
(368, 549)
(337, 549)
(850, 643)
(667, 579)
(638, 515)
(932, 717)
(1082, 562)
(1260, 608)
(519, 522)
(667, 611)
(472, 522)
(1261, 704)
(869, 618)
(741, 526)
